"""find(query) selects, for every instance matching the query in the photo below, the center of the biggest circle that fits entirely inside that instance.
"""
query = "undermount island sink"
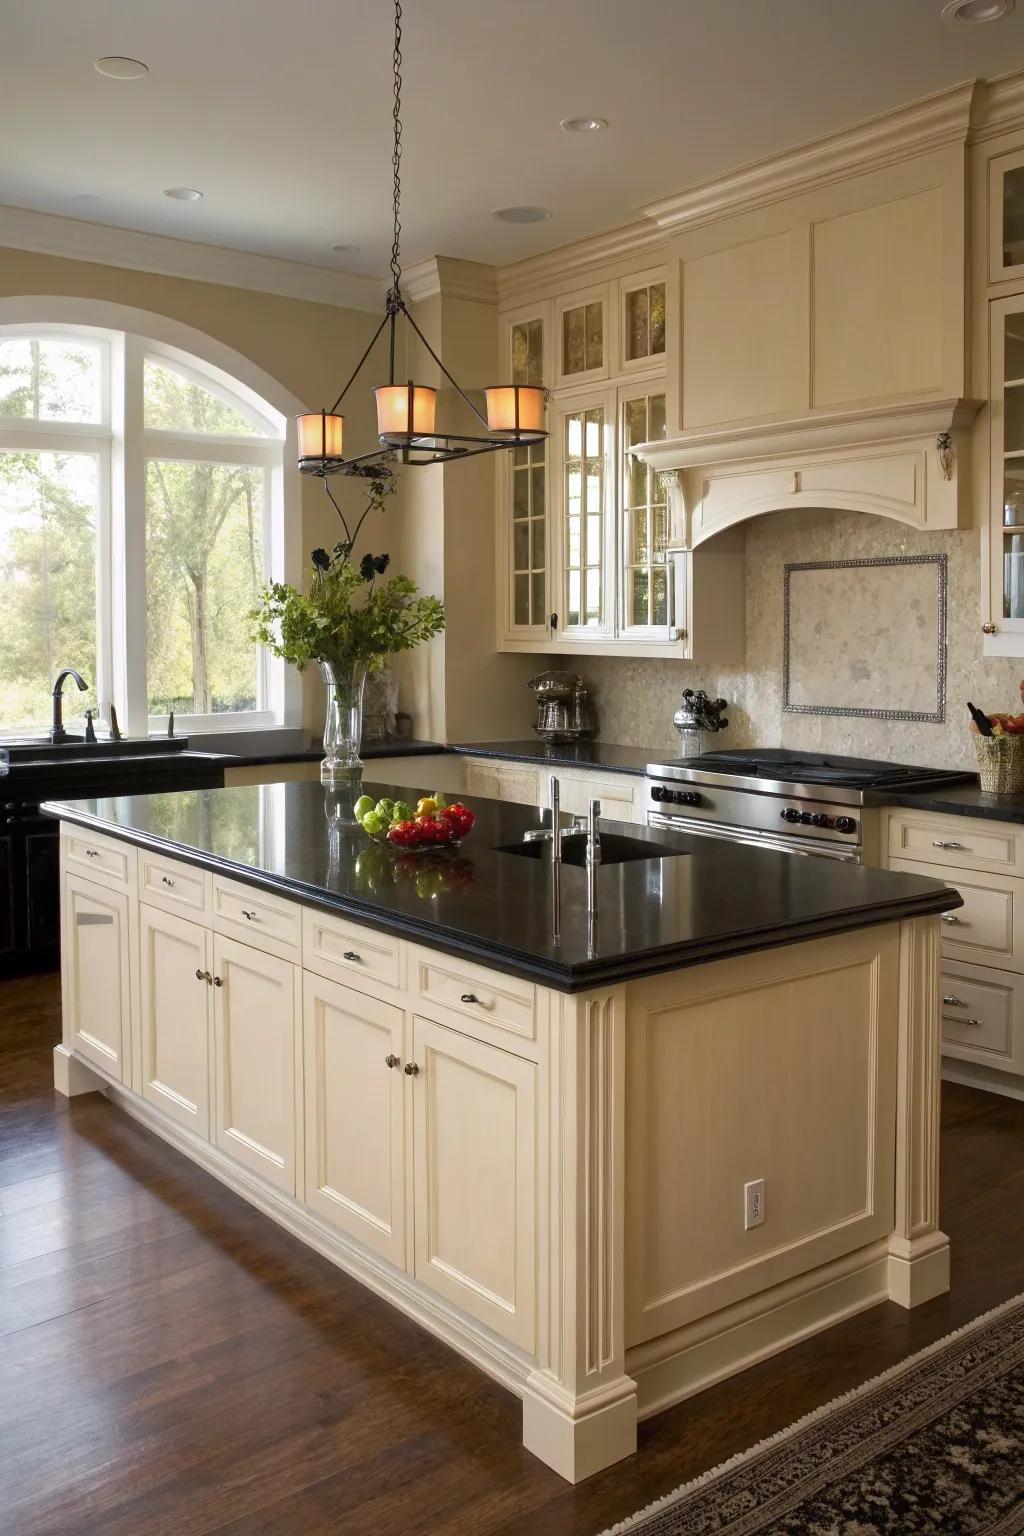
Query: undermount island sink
(615, 849)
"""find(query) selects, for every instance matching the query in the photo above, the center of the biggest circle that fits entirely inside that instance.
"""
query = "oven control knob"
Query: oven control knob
(845, 824)
(791, 813)
(687, 797)
(659, 792)
(820, 819)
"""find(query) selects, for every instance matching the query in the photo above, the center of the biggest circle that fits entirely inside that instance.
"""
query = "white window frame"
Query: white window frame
(122, 445)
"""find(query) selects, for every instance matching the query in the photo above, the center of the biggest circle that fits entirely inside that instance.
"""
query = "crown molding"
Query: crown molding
(570, 262)
(929, 124)
(998, 107)
(452, 277)
(49, 234)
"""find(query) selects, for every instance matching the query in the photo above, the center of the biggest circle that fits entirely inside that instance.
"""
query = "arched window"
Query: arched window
(141, 501)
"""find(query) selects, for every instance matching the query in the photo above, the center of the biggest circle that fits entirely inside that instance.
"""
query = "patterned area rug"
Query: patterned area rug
(934, 1446)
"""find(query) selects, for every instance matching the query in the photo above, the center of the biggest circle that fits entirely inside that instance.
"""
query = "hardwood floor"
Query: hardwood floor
(172, 1364)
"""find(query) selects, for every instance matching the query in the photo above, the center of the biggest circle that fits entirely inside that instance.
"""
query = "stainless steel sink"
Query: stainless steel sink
(615, 849)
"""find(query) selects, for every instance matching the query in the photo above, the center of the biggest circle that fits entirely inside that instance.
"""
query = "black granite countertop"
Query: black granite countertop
(313, 748)
(580, 754)
(708, 899)
(964, 800)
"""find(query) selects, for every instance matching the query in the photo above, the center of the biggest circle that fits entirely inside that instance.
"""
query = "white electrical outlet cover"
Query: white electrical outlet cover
(753, 1204)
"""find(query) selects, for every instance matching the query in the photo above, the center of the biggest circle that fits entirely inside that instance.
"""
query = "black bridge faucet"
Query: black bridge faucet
(57, 731)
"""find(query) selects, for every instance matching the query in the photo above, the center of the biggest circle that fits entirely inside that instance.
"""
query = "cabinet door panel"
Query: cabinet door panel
(475, 1178)
(254, 1057)
(97, 1001)
(354, 1140)
(175, 1009)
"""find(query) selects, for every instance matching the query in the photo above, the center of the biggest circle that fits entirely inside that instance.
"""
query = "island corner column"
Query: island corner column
(579, 1405)
(918, 1267)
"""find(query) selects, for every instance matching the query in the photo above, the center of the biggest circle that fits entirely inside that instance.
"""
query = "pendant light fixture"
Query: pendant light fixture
(406, 413)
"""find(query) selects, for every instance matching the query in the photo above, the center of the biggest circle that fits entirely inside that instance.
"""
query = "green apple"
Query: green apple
(363, 806)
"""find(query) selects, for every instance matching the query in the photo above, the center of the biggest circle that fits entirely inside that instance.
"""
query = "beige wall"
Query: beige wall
(636, 699)
(309, 348)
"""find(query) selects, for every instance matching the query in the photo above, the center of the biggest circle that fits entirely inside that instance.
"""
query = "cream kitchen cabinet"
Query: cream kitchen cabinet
(97, 989)
(620, 794)
(495, 779)
(475, 1177)
(176, 1015)
(256, 1075)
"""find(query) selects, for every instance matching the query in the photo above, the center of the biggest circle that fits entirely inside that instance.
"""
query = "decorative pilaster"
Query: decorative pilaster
(918, 1250)
(579, 1406)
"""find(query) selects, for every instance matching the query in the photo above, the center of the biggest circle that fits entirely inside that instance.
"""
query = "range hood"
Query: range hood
(905, 462)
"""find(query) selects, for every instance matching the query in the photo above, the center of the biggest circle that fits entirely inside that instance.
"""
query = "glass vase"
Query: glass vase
(343, 722)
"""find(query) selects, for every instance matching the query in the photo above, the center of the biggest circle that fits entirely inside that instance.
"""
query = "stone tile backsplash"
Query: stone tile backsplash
(636, 699)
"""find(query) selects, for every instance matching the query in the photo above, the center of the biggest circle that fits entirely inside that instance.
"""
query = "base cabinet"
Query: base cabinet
(255, 1038)
(354, 1056)
(176, 1011)
(97, 975)
(474, 1156)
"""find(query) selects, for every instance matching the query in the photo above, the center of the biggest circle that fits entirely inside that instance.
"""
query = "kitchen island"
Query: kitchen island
(610, 1150)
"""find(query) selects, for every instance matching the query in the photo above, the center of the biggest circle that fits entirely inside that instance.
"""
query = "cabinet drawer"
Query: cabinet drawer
(499, 1009)
(338, 949)
(174, 886)
(267, 922)
(961, 842)
(493, 779)
(989, 928)
(100, 858)
(577, 790)
(980, 1015)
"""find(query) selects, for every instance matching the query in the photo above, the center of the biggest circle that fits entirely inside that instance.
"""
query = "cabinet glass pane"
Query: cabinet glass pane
(645, 516)
(528, 541)
(1013, 218)
(1013, 540)
(583, 338)
(645, 321)
(584, 489)
(528, 352)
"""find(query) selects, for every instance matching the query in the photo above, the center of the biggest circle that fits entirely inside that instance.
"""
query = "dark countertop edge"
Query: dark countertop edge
(587, 978)
(545, 753)
(369, 751)
(1008, 809)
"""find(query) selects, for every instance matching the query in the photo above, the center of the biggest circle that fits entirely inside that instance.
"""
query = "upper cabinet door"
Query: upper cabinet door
(641, 330)
(647, 598)
(582, 340)
(1007, 427)
(584, 431)
(523, 541)
(1006, 218)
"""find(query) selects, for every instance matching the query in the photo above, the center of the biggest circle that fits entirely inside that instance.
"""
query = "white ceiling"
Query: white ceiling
(279, 110)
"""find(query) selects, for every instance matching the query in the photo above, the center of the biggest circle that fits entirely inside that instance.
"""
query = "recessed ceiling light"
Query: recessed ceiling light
(584, 124)
(345, 250)
(183, 194)
(977, 10)
(118, 68)
(526, 214)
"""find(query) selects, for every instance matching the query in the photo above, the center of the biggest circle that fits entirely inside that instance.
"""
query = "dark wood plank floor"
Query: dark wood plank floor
(172, 1364)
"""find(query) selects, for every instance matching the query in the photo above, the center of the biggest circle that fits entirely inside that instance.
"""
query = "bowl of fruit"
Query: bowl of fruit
(431, 826)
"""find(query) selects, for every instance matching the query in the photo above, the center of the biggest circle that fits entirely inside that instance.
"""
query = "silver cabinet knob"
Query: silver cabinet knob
(92, 853)
(217, 981)
(166, 879)
(392, 1060)
(989, 629)
(350, 954)
(411, 1069)
(201, 975)
(250, 916)
(941, 844)
(469, 997)
(952, 1001)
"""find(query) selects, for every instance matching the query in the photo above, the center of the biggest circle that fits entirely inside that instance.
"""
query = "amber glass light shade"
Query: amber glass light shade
(320, 435)
(393, 409)
(515, 408)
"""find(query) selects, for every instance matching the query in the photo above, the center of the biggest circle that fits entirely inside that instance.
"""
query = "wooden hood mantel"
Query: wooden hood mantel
(900, 462)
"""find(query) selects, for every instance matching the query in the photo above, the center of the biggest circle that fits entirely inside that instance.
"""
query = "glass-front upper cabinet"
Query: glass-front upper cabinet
(1007, 542)
(524, 502)
(641, 322)
(644, 521)
(1006, 218)
(586, 524)
(582, 342)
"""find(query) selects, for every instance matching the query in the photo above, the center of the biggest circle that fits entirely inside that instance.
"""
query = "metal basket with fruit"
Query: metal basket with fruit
(432, 827)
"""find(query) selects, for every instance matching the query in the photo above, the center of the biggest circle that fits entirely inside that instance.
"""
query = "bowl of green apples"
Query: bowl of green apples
(429, 824)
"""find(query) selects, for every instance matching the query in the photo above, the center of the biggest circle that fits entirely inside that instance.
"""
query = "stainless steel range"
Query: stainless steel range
(772, 797)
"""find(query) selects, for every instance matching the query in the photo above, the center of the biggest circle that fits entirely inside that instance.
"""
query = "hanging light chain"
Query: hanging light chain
(396, 157)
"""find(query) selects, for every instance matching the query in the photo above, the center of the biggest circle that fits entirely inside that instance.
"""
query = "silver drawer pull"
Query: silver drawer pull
(204, 976)
(350, 954)
(952, 1001)
(951, 920)
(469, 997)
(166, 879)
(941, 844)
(391, 1060)
(251, 916)
(972, 1023)
(92, 853)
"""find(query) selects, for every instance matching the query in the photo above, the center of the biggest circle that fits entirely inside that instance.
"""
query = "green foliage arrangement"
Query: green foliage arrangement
(347, 615)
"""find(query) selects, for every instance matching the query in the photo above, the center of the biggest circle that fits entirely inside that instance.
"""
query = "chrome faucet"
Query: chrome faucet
(594, 833)
(57, 731)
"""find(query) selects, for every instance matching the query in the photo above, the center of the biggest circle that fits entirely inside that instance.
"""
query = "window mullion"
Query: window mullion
(128, 535)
